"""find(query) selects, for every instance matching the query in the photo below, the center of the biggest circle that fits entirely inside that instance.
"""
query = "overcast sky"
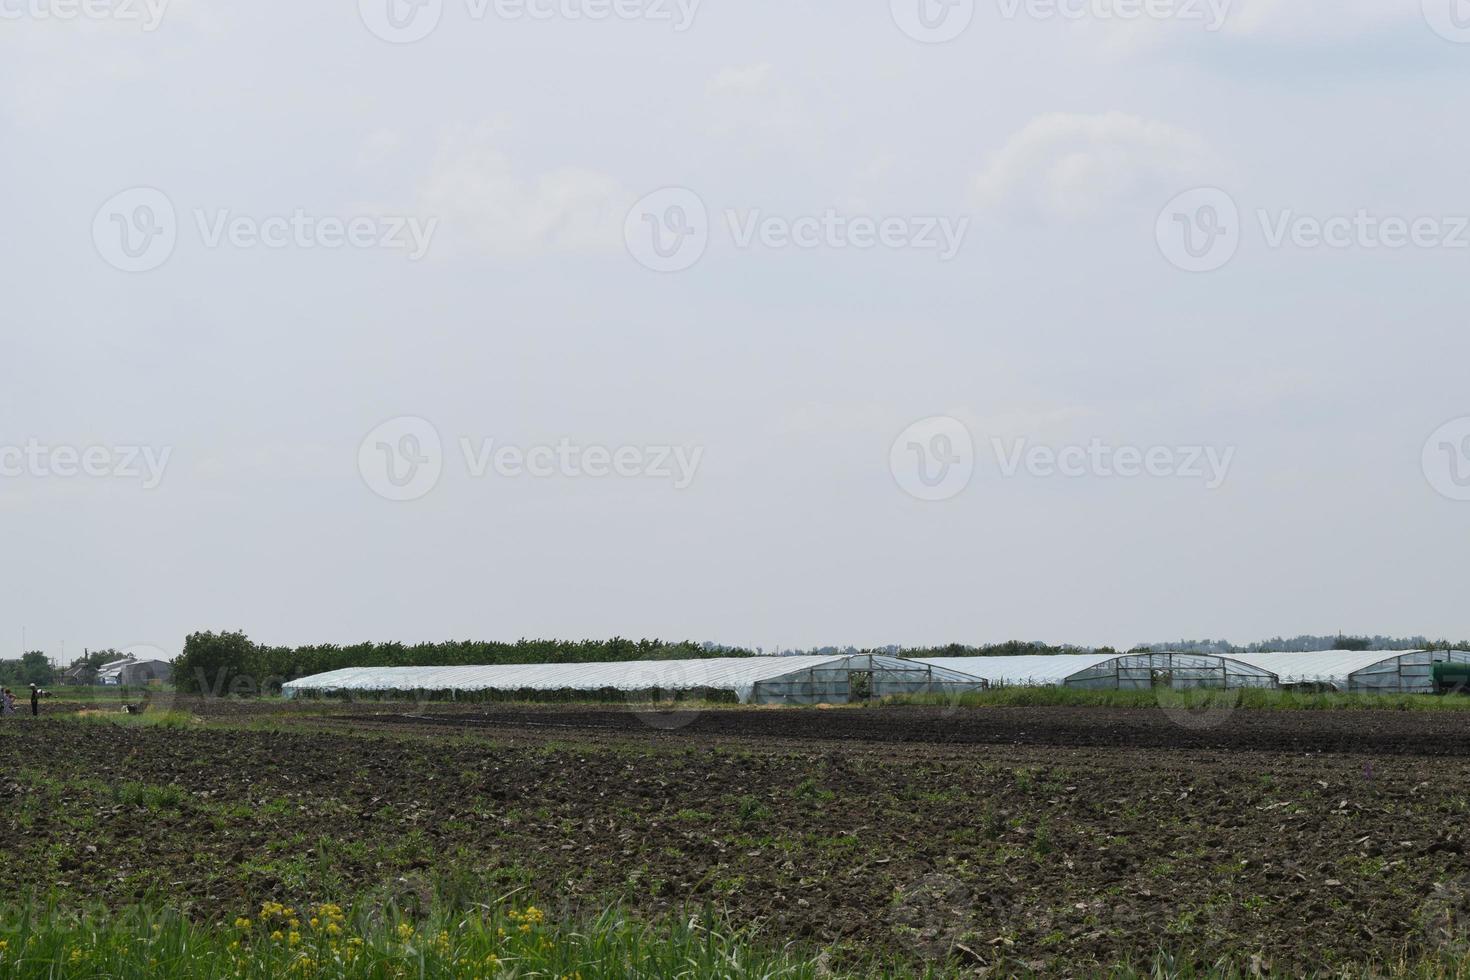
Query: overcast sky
(766, 323)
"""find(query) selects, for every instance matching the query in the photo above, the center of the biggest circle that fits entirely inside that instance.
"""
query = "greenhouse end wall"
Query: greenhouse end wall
(1411, 673)
(860, 678)
(1142, 672)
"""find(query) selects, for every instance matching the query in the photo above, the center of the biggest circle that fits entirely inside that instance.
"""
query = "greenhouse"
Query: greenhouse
(1134, 671)
(1358, 671)
(749, 680)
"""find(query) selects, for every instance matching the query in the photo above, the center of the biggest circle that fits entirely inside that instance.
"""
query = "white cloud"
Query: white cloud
(1079, 167)
(753, 100)
(475, 191)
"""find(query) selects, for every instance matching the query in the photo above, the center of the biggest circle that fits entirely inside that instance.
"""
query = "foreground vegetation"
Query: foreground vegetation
(915, 861)
(326, 941)
(492, 943)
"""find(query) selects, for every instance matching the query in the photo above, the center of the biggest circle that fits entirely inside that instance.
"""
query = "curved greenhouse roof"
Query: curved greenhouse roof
(1111, 670)
(1371, 671)
(1031, 671)
(765, 679)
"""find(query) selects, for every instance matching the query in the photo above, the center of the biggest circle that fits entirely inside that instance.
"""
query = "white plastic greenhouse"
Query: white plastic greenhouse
(1109, 671)
(1358, 671)
(758, 680)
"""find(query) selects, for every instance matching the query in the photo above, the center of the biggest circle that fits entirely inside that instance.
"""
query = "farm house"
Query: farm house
(1358, 671)
(1111, 671)
(749, 680)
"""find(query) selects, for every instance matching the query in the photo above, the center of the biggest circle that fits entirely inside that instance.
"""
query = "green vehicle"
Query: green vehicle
(1451, 678)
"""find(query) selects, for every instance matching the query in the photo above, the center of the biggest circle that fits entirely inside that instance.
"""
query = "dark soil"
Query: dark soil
(1059, 838)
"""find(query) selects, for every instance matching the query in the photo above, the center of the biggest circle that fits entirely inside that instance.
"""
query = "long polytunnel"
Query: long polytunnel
(1358, 671)
(1134, 671)
(761, 680)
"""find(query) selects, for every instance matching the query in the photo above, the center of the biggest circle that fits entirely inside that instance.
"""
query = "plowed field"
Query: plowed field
(1054, 838)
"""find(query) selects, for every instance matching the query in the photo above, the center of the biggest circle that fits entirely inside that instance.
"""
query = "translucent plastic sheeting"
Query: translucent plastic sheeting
(1367, 671)
(743, 676)
(1136, 671)
(1021, 671)
(736, 674)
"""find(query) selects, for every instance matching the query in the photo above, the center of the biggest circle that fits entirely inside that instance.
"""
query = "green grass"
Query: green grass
(326, 943)
(148, 719)
(1252, 698)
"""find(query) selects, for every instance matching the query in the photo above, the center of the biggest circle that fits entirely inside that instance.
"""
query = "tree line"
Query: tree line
(231, 663)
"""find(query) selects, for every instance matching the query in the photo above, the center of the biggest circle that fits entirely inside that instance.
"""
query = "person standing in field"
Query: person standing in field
(7, 702)
(35, 701)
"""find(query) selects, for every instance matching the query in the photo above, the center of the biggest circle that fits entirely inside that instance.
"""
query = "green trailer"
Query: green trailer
(1451, 678)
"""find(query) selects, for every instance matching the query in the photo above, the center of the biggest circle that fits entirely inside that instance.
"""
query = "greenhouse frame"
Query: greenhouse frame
(750, 680)
(1133, 671)
(1358, 671)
